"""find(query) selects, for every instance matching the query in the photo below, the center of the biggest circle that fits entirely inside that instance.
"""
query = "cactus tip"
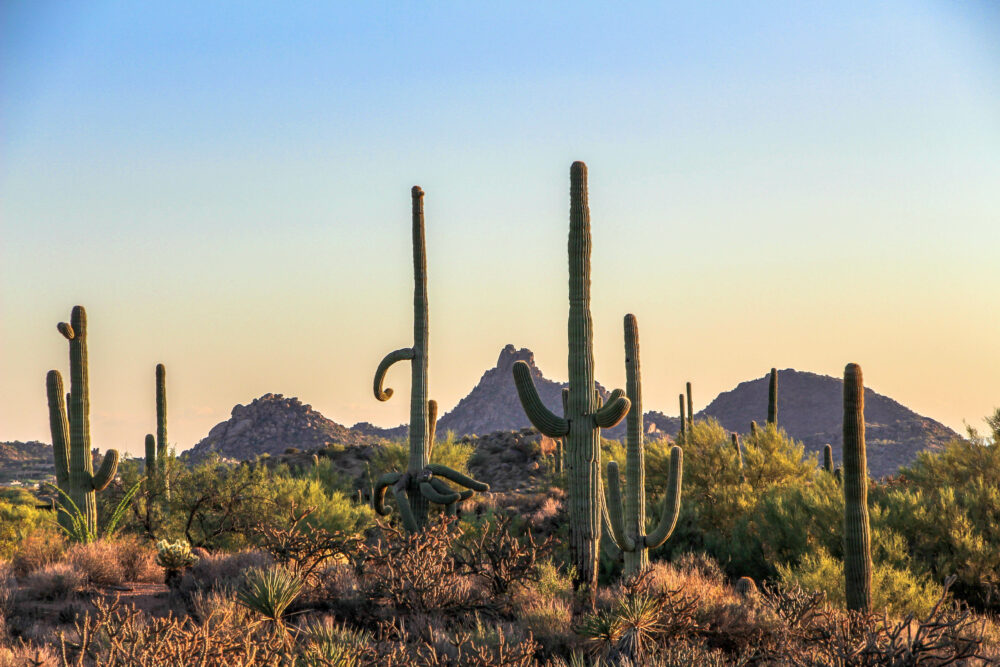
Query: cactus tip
(66, 330)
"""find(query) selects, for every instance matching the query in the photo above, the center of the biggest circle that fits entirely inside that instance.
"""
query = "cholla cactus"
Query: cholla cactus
(174, 555)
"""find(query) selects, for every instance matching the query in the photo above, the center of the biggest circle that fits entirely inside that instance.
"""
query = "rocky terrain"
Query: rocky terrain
(25, 462)
(271, 424)
(809, 409)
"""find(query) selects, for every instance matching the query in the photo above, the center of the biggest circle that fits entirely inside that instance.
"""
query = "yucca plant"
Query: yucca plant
(627, 629)
(269, 592)
(331, 645)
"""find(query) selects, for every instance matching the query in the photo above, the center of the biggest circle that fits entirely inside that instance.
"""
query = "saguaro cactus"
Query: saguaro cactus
(628, 530)
(156, 449)
(584, 416)
(680, 399)
(421, 482)
(857, 533)
(71, 432)
(828, 458)
(690, 407)
(772, 398)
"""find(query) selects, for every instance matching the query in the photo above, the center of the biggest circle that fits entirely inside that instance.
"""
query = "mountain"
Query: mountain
(810, 409)
(271, 424)
(25, 462)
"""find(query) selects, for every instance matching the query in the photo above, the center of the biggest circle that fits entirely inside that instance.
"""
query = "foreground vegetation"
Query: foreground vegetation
(288, 567)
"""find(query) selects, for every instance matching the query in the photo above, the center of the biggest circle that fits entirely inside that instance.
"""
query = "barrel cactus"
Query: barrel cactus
(628, 528)
(857, 532)
(70, 429)
(585, 414)
(746, 588)
(422, 481)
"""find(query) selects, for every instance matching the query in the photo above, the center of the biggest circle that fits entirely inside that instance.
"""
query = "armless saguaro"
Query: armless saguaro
(585, 416)
(857, 533)
(772, 398)
(421, 482)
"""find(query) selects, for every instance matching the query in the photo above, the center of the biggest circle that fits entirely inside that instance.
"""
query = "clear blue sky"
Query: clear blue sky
(225, 187)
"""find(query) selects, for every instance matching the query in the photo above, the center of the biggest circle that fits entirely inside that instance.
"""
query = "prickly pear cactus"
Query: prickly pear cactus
(71, 430)
(585, 416)
(422, 481)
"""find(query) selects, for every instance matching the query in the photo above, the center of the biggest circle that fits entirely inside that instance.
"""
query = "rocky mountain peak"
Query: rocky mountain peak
(509, 355)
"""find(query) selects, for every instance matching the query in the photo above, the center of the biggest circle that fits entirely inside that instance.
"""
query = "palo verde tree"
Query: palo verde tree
(421, 482)
(585, 415)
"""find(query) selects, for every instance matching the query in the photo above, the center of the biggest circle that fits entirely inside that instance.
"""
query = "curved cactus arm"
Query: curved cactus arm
(405, 354)
(613, 505)
(457, 477)
(433, 493)
(544, 419)
(614, 410)
(444, 489)
(405, 513)
(107, 471)
(611, 547)
(58, 426)
(671, 503)
(378, 495)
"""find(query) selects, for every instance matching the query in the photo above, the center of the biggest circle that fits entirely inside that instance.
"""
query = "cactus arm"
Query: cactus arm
(672, 502)
(435, 494)
(150, 456)
(107, 471)
(378, 495)
(544, 419)
(405, 513)
(441, 487)
(613, 505)
(457, 477)
(59, 427)
(613, 411)
(403, 354)
(432, 417)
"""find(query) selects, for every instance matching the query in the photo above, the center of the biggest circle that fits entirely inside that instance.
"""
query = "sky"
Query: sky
(225, 187)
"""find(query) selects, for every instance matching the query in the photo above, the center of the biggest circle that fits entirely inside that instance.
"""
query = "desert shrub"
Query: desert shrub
(219, 571)
(23, 654)
(304, 550)
(333, 512)
(392, 456)
(327, 642)
(897, 591)
(8, 591)
(55, 581)
(98, 562)
(18, 520)
(36, 550)
(137, 559)
(696, 563)
(492, 552)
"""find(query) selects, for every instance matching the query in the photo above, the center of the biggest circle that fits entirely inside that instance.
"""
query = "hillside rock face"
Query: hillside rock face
(270, 424)
(810, 409)
(493, 405)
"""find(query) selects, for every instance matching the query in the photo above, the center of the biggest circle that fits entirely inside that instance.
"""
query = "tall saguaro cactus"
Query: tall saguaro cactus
(156, 450)
(680, 399)
(828, 458)
(690, 416)
(772, 398)
(628, 530)
(71, 429)
(421, 482)
(857, 532)
(584, 416)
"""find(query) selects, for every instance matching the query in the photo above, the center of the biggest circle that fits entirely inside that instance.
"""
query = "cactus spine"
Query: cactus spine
(584, 416)
(421, 481)
(71, 429)
(828, 458)
(857, 533)
(772, 398)
(628, 530)
(690, 408)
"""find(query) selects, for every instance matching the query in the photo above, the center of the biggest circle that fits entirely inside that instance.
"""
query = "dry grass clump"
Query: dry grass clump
(137, 560)
(98, 562)
(40, 548)
(224, 570)
(56, 581)
(21, 654)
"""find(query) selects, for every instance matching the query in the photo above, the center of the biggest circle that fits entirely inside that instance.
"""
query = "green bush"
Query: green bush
(17, 521)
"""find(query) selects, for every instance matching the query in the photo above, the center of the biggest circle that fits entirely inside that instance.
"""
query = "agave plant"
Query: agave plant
(269, 592)
(73, 521)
